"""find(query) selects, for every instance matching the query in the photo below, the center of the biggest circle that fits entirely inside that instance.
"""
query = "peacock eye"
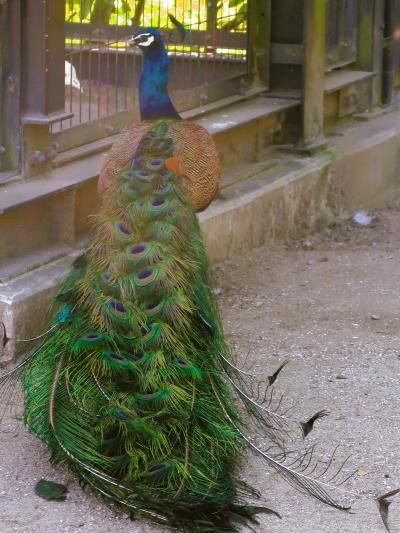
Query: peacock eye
(144, 39)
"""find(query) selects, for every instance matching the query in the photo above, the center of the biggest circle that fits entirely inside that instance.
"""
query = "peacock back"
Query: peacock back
(193, 147)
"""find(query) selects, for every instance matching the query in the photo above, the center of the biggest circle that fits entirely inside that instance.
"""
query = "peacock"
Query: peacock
(133, 385)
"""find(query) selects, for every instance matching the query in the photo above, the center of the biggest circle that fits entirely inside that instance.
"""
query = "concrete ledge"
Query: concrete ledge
(24, 303)
(280, 197)
(50, 211)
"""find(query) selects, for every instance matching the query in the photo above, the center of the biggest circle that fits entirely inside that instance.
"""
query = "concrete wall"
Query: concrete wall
(361, 169)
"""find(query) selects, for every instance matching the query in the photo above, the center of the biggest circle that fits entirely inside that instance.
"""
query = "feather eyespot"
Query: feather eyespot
(118, 306)
(117, 309)
(157, 473)
(115, 356)
(127, 174)
(149, 333)
(108, 285)
(144, 274)
(90, 340)
(138, 356)
(146, 277)
(122, 232)
(123, 228)
(157, 468)
(138, 249)
(143, 176)
(159, 206)
(158, 202)
(155, 165)
(120, 413)
(152, 305)
(147, 253)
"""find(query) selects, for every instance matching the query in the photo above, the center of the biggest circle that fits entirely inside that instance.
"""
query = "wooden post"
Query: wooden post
(388, 55)
(9, 85)
(43, 80)
(369, 43)
(314, 39)
(211, 26)
(259, 41)
(43, 42)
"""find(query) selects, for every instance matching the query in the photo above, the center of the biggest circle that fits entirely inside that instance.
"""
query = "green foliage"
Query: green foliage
(229, 14)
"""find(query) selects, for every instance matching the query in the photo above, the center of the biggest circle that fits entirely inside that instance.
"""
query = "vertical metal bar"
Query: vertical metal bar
(90, 78)
(10, 19)
(201, 50)
(80, 66)
(175, 63)
(108, 81)
(126, 62)
(116, 86)
(314, 39)
(71, 87)
(99, 80)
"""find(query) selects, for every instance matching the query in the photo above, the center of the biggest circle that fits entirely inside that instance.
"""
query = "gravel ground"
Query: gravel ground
(330, 306)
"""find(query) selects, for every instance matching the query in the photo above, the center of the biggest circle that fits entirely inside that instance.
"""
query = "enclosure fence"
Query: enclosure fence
(69, 77)
(102, 69)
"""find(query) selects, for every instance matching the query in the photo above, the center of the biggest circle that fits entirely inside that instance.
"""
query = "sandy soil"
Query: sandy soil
(330, 306)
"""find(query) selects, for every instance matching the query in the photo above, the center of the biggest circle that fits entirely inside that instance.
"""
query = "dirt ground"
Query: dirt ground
(330, 306)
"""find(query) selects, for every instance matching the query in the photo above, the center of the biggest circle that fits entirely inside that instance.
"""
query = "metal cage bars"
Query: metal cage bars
(40, 29)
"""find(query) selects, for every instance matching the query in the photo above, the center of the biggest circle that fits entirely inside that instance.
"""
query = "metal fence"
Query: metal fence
(102, 70)
(68, 76)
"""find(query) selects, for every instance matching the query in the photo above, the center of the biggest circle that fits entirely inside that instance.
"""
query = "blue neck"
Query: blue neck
(154, 100)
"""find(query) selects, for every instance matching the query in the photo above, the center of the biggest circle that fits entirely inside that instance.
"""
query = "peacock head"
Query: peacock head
(148, 39)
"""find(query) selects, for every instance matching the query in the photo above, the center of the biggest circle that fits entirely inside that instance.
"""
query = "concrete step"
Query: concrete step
(41, 217)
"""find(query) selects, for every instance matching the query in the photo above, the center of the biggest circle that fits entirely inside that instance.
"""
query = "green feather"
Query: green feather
(90, 340)
(117, 361)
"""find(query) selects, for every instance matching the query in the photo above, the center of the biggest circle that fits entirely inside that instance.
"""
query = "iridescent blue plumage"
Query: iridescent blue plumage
(155, 102)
